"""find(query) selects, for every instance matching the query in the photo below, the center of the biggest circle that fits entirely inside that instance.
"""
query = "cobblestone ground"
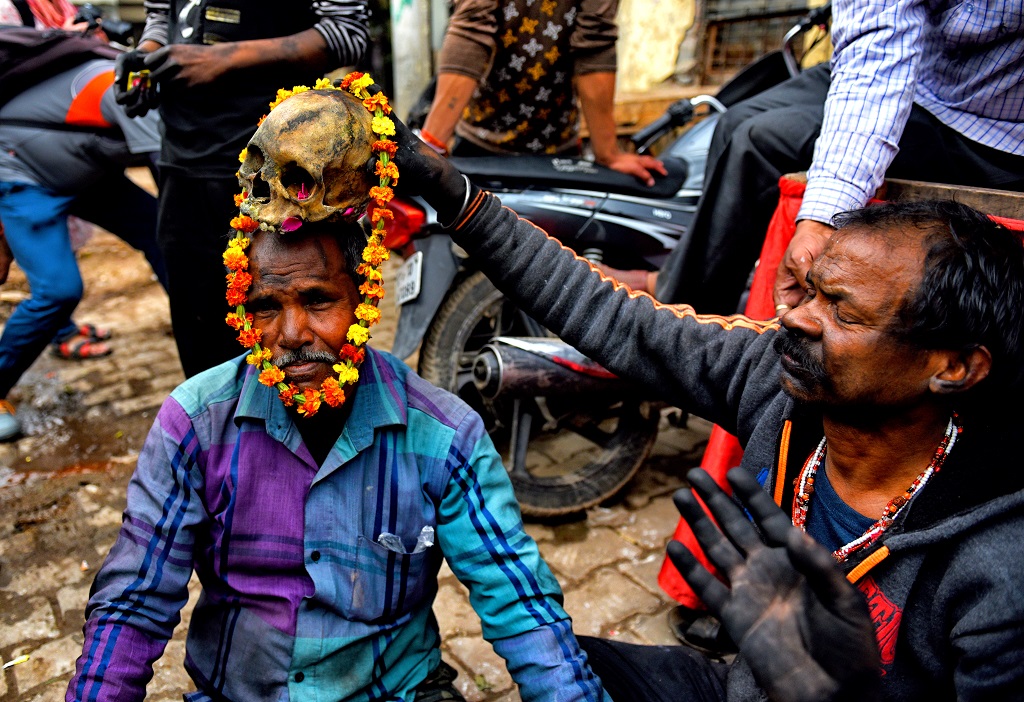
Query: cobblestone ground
(62, 490)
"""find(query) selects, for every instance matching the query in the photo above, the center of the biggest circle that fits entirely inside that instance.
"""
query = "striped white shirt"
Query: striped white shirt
(343, 25)
(961, 61)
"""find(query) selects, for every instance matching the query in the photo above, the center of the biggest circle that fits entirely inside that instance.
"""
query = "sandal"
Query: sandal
(94, 333)
(79, 348)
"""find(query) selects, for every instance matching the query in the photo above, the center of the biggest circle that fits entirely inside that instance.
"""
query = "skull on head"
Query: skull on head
(307, 161)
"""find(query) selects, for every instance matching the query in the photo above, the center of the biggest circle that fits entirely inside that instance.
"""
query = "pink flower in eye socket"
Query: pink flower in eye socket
(290, 224)
(303, 193)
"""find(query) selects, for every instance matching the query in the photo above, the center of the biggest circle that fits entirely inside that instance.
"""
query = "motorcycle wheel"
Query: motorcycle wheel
(562, 457)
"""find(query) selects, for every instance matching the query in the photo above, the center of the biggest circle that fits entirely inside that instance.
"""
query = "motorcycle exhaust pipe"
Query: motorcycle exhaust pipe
(540, 366)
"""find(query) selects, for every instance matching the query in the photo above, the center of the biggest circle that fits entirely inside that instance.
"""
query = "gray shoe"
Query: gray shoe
(10, 427)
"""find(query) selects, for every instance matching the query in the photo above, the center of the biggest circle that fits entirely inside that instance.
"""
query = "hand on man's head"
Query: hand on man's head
(802, 628)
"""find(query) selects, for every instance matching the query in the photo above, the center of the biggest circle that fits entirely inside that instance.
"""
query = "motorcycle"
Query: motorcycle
(572, 433)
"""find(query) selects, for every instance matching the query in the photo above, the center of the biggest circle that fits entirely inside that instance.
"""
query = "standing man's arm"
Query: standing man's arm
(143, 583)
(465, 59)
(480, 532)
(874, 74)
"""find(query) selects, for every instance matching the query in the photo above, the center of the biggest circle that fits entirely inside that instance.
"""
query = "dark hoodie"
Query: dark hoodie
(945, 584)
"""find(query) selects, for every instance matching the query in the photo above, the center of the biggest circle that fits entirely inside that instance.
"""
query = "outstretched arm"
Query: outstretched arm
(802, 628)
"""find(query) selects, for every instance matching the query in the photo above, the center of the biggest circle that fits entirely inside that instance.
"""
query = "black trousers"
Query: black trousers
(192, 231)
(760, 139)
(631, 672)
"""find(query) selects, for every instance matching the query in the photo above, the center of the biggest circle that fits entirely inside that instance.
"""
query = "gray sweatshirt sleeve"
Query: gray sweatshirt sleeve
(721, 368)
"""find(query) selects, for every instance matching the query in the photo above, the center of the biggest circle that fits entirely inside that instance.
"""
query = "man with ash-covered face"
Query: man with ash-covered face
(318, 540)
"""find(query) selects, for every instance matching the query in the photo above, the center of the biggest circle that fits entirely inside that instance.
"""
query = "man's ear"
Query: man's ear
(961, 370)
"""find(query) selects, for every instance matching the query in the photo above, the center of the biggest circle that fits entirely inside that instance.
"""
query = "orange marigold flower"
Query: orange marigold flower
(271, 376)
(367, 313)
(385, 145)
(236, 297)
(239, 280)
(375, 254)
(250, 337)
(369, 272)
(234, 321)
(380, 213)
(389, 170)
(348, 80)
(288, 396)
(235, 258)
(352, 353)
(372, 289)
(379, 100)
(333, 394)
(381, 194)
(311, 404)
(240, 198)
(245, 223)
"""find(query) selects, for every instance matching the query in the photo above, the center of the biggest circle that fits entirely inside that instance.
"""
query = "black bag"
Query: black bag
(29, 55)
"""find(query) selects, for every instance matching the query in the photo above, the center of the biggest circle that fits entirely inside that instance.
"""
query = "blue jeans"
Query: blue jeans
(35, 224)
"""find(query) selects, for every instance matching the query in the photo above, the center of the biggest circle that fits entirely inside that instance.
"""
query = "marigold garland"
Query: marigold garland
(352, 355)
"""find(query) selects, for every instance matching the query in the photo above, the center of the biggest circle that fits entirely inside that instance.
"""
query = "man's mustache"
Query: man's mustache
(292, 358)
(791, 344)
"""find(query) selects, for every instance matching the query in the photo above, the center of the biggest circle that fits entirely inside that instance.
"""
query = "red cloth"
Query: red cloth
(723, 450)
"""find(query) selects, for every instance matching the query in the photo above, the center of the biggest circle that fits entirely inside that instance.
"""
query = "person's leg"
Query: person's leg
(192, 228)
(930, 151)
(127, 211)
(755, 142)
(632, 672)
(35, 222)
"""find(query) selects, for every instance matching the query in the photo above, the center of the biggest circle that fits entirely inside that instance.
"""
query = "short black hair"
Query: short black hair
(972, 290)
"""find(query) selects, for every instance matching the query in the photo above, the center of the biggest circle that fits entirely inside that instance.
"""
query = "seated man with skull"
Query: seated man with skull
(315, 484)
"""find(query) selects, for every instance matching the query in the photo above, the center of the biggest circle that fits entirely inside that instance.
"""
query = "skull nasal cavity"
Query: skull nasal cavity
(297, 182)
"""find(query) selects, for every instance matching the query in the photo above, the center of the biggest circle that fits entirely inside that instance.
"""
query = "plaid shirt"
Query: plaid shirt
(300, 600)
(961, 61)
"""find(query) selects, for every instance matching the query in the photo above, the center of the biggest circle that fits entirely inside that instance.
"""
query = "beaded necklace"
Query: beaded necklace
(805, 488)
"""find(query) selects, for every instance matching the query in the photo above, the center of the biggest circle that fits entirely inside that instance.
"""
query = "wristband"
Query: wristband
(432, 141)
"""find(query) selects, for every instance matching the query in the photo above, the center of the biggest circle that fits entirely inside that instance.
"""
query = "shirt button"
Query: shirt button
(299, 677)
(315, 556)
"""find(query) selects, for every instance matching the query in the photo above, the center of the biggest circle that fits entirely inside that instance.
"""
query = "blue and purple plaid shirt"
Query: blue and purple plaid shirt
(301, 599)
(961, 61)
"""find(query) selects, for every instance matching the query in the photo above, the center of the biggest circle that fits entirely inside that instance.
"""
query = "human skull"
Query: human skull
(307, 161)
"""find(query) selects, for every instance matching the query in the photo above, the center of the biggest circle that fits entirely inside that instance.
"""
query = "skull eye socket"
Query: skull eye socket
(254, 160)
(297, 182)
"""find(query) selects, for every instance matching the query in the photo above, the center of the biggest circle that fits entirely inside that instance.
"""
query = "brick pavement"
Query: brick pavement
(62, 492)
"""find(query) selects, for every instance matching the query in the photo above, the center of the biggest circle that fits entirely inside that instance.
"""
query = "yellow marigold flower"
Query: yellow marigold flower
(323, 84)
(333, 394)
(240, 242)
(367, 313)
(235, 259)
(258, 357)
(347, 375)
(375, 254)
(362, 83)
(241, 155)
(271, 376)
(383, 126)
(358, 334)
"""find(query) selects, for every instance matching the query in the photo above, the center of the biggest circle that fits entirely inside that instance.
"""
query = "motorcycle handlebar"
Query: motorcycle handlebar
(678, 113)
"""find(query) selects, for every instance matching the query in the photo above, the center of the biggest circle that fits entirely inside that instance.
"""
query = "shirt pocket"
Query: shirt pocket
(387, 584)
(975, 23)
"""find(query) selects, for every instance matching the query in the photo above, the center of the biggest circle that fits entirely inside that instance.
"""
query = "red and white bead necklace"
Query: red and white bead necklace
(805, 488)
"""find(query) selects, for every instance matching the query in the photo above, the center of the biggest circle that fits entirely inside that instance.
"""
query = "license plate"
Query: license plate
(407, 280)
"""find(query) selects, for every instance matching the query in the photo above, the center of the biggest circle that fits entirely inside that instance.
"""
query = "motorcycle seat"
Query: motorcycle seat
(538, 172)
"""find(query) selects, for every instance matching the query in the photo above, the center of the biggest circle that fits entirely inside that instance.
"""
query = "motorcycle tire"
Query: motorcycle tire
(582, 459)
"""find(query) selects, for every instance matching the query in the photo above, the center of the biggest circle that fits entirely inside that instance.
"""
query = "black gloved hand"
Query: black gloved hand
(426, 173)
(133, 86)
(802, 628)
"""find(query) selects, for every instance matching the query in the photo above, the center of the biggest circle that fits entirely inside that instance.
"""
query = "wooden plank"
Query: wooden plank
(1001, 203)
